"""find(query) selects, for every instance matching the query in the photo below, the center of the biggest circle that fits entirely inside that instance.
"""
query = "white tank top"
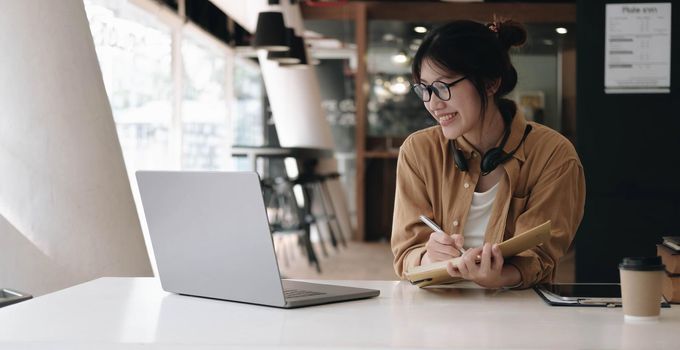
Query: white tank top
(478, 217)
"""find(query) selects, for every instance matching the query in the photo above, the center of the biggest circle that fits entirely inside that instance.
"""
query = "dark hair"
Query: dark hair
(478, 51)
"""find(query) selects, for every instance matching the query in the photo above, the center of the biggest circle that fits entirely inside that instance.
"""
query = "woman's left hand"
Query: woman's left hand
(486, 271)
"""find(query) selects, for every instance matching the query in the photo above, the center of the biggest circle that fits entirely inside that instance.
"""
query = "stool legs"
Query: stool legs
(289, 217)
(306, 238)
(307, 194)
(328, 216)
(327, 194)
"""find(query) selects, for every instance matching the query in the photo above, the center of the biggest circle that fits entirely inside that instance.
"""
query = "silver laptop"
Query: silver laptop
(210, 235)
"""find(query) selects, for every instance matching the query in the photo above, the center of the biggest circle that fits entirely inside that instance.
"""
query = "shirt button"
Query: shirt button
(455, 223)
(466, 185)
(474, 154)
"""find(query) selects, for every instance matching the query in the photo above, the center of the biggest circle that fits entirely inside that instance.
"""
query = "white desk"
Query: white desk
(111, 313)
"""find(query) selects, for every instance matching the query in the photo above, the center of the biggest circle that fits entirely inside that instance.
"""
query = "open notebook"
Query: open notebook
(435, 273)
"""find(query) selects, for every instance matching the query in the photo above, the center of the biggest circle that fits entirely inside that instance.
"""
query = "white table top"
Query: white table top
(111, 313)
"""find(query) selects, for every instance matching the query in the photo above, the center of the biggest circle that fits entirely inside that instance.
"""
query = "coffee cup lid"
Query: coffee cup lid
(643, 263)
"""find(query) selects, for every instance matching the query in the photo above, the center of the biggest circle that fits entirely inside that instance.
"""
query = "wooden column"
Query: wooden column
(569, 93)
(360, 99)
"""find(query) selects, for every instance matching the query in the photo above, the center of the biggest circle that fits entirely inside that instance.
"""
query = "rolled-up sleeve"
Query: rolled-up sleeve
(559, 195)
(409, 235)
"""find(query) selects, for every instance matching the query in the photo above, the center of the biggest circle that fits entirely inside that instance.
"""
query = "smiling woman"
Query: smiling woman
(484, 172)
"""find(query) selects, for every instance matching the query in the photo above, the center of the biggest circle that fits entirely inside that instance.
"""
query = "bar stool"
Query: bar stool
(286, 216)
(315, 189)
(306, 182)
(326, 195)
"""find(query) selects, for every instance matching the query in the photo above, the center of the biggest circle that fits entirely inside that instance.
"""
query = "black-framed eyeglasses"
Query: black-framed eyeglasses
(440, 88)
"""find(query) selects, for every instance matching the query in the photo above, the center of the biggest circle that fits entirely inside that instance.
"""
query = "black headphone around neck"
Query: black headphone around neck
(492, 158)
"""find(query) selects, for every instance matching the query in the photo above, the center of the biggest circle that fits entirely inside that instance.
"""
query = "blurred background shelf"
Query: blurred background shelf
(381, 154)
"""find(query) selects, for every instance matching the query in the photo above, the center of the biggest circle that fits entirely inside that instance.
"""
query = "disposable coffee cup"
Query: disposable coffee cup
(641, 279)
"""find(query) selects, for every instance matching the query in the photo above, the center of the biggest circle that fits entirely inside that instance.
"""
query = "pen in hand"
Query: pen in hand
(436, 228)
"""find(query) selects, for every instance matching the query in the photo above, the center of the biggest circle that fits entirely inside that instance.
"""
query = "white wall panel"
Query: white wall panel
(67, 213)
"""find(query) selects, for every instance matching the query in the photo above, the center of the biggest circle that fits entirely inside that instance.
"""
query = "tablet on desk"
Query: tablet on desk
(575, 291)
(583, 294)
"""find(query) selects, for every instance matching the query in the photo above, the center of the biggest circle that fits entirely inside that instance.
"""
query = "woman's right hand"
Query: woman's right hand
(442, 247)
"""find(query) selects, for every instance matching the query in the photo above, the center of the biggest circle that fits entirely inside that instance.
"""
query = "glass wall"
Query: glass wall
(172, 89)
(248, 122)
(134, 51)
(333, 54)
(180, 98)
(394, 111)
(205, 143)
(248, 110)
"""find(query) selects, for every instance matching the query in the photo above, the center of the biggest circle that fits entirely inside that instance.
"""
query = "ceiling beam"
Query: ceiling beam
(344, 12)
(559, 13)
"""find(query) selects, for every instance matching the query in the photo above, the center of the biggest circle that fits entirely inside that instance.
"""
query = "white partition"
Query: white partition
(66, 208)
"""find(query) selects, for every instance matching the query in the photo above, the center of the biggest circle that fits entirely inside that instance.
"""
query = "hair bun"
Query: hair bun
(510, 33)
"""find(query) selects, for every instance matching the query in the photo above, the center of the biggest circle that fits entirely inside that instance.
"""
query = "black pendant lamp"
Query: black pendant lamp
(285, 57)
(271, 32)
(298, 51)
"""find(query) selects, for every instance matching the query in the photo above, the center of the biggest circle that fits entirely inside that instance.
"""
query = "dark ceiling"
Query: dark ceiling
(543, 39)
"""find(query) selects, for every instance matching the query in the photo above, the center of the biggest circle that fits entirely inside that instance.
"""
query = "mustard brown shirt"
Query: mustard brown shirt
(544, 180)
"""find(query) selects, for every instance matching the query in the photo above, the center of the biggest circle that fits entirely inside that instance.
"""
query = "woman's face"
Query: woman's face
(458, 115)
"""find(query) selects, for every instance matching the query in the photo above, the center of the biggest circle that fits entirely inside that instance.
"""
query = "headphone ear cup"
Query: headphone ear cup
(492, 158)
(459, 160)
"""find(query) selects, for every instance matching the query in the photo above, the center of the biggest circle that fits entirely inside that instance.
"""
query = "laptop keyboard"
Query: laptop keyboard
(299, 293)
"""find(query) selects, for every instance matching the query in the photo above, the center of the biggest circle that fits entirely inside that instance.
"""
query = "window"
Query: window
(249, 118)
(134, 51)
(173, 118)
(205, 142)
(248, 122)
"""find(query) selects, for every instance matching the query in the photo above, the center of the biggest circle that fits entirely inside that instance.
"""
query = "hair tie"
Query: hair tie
(493, 27)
